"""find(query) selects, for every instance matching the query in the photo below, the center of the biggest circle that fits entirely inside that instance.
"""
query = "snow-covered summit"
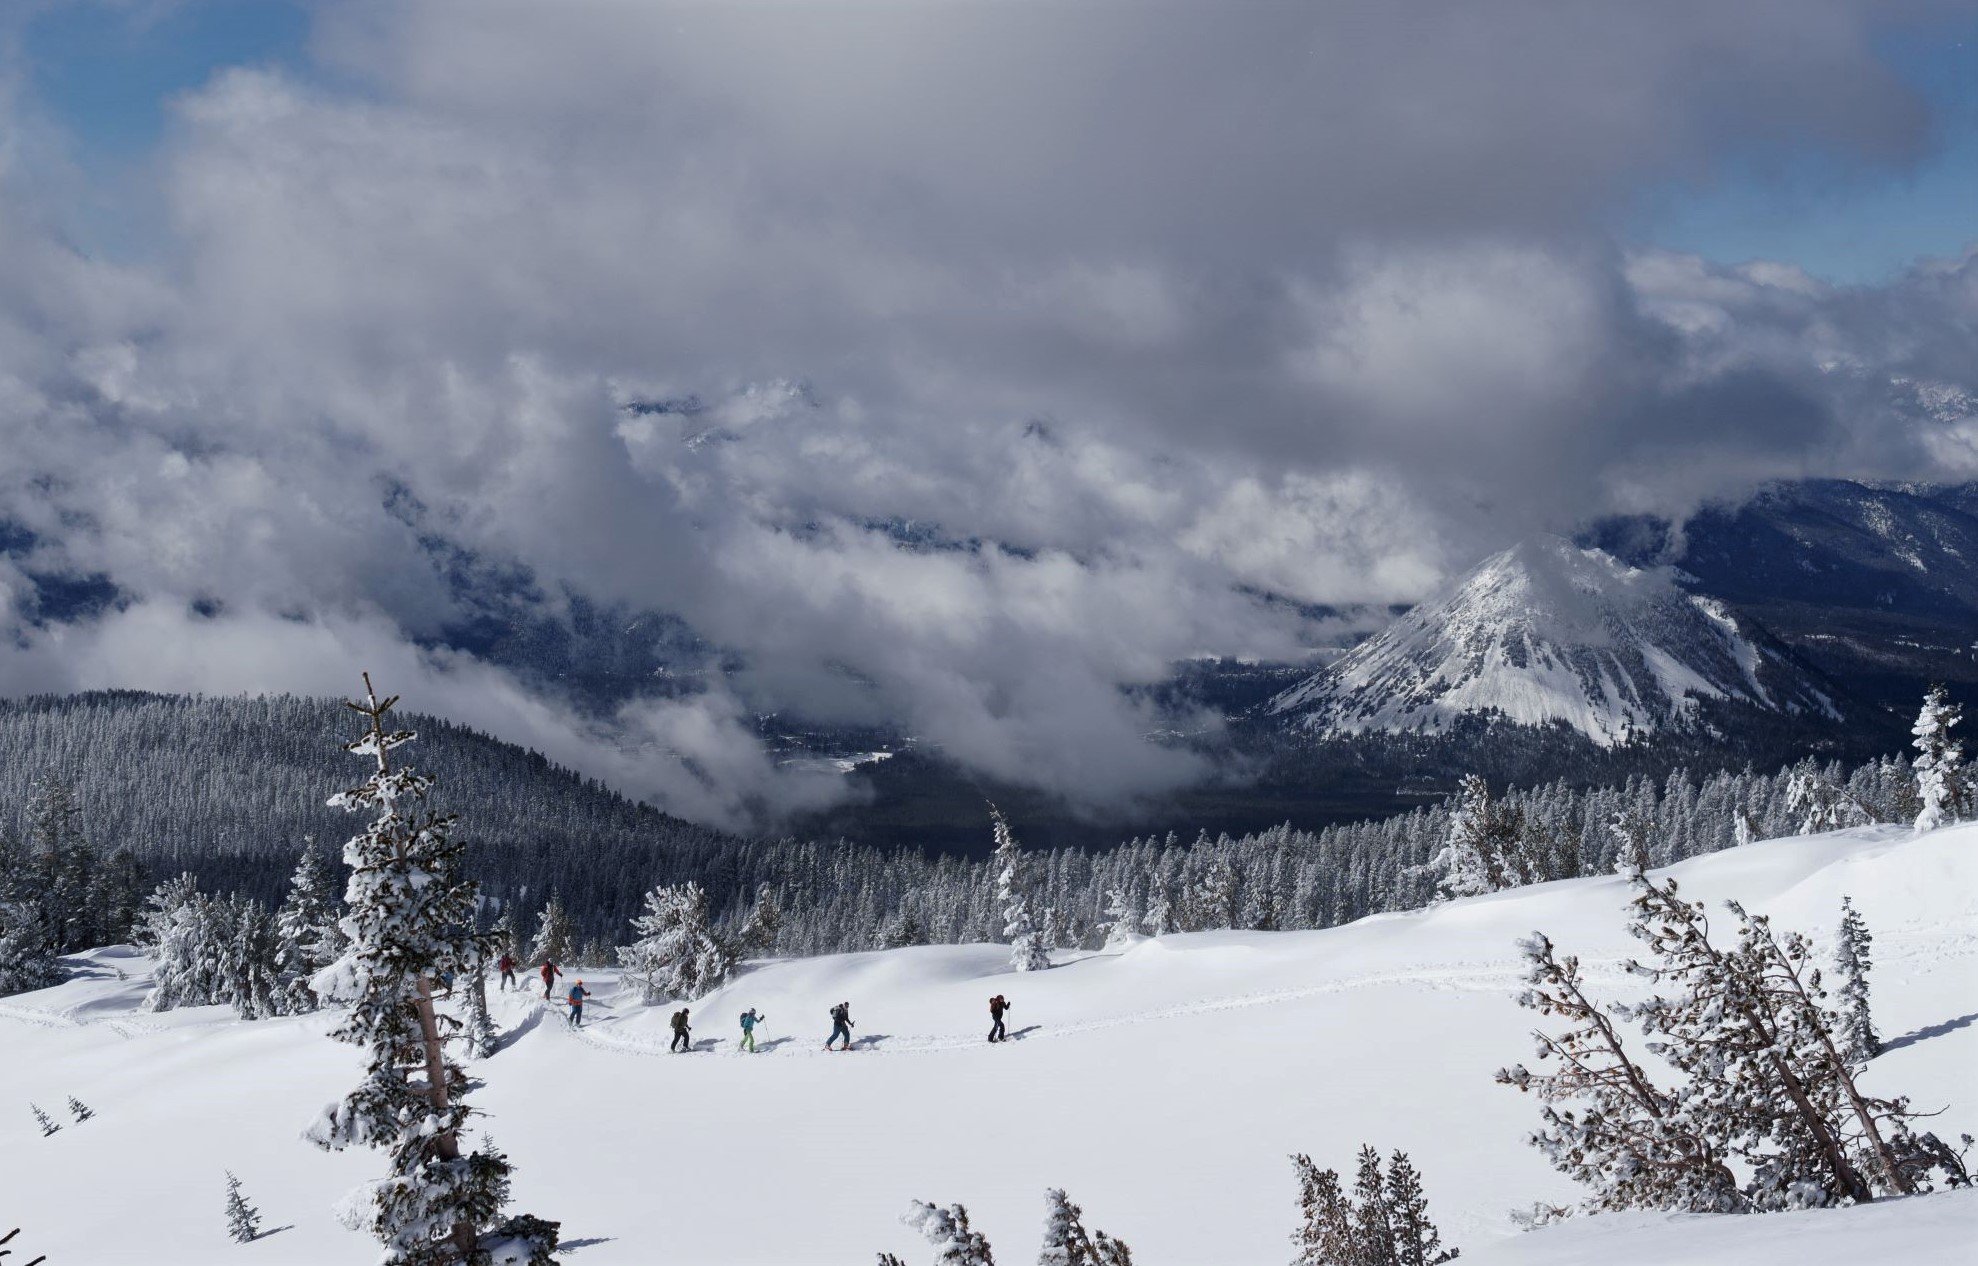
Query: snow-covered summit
(1549, 632)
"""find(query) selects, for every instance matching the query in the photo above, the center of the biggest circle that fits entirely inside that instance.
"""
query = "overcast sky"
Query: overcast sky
(1165, 305)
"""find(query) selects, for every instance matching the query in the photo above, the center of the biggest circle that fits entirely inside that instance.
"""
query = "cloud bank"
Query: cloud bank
(946, 365)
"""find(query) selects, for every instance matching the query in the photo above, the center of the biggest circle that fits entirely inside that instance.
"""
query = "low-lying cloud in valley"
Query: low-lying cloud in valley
(953, 366)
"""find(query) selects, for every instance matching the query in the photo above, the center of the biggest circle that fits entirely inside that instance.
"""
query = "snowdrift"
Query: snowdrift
(1163, 1086)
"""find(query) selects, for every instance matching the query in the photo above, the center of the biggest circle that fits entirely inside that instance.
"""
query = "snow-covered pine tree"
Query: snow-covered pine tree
(1631, 842)
(1121, 920)
(409, 920)
(1820, 803)
(80, 1110)
(1325, 1234)
(947, 1229)
(243, 1219)
(508, 937)
(1472, 860)
(905, 929)
(1384, 1222)
(677, 954)
(1159, 920)
(194, 944)
(764, 924)
(47, 1123)
(1417, 1242)
(1853, 959)
(1627, 1141)
(249, 961)
(1068, 1243)
(1939, 763)
(27, 961)
(1026, 940)
(306, 933)
(554, 942)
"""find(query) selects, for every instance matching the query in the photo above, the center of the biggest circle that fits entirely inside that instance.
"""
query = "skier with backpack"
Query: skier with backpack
(550, 973)
(507, 965)
(683, 1038)
(577, 995)
(998, 1005)
(841, 1026)
(749, 1020)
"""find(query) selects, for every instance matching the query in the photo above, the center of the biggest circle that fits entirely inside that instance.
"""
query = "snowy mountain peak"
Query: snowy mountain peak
(1549, 632)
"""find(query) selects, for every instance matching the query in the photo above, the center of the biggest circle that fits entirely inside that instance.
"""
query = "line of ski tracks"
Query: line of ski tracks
(1462, 978)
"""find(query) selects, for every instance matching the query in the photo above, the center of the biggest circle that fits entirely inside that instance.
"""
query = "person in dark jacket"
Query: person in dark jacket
(841, 1026)
(550, 973)
(577, 995)
(998, 1005)
(683, 1038)
(507, 966)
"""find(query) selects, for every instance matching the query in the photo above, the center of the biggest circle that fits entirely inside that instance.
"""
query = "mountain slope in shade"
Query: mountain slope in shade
(1549, 632)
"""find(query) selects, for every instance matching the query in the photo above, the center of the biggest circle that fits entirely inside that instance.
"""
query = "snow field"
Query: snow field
(1162, 1086)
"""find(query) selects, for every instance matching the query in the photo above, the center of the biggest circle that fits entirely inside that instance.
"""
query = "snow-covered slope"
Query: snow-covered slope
(1163, 1086)
(1549, 632)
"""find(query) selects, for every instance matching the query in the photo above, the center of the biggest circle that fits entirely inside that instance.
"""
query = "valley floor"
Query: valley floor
(1163, 1086)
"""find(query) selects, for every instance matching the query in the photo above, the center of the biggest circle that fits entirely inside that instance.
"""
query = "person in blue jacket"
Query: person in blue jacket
(577, 995)
(841, 1026)
(749, 1020)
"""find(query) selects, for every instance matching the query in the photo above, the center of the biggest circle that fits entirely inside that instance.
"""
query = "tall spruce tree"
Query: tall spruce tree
(1853, 958)
(306, 933)
(554, 941)
(410, 919)
(1028, 951)
(1940, 774)
(1068, 1243)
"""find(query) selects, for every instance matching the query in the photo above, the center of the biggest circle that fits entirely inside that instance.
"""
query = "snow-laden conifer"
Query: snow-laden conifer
(193, 947)
(306, 934)
(1606, 1124)
(47, 1123)
(1940, 773)
(1631, 846)
(409, 919)
(1384, 1222)
(482, 1038)
(1853, 958)
(80, 1110)
(677, 954)
(763, 924)
(27, 961)
(251, 978)
(1068, 1243)
(1122, 922)
(947, 1229)
(905, 929)
(243, 1219)
(1821, 803)
(1026, 940)
(1488, 846)
(554, 942)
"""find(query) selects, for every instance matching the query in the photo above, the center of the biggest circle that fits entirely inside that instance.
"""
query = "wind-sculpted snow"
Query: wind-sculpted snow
(1162, 1086)
(1548, 632)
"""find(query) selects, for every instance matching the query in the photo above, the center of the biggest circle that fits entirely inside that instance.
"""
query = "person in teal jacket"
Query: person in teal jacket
(577, 995)
(749, 1020)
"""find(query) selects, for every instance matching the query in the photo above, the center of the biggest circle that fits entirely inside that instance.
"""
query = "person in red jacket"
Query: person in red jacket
(507, 965)
(550, 973)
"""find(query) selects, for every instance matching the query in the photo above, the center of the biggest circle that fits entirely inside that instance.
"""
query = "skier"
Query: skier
(507, 966)
(998, 1005)
(683, 1038)
(841, 1026)
(550, 973)
(577, 995)
(749, 1020)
